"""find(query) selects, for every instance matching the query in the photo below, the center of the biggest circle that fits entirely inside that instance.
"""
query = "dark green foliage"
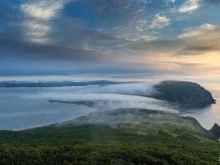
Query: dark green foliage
(158, 138)
(116, 153)
(100, 145)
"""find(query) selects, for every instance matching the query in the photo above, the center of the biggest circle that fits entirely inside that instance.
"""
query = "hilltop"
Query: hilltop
(123, 136)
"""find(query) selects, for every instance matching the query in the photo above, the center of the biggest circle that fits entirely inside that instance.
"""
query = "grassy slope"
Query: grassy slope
(107, 145)
(161, 143)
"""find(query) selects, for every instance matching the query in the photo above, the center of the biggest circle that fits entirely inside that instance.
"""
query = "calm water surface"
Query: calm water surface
(210, 115)
(18, 111)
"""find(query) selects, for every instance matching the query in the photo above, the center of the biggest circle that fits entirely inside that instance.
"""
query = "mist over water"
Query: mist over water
(104, 98)
(22, 108)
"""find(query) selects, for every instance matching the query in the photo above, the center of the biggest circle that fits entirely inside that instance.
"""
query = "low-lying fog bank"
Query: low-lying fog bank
(28, 107)
(109, 97)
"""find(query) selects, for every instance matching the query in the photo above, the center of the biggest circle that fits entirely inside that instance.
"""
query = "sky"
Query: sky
(110, 39)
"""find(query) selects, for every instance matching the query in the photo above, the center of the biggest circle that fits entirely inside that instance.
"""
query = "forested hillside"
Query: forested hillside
(119, 143)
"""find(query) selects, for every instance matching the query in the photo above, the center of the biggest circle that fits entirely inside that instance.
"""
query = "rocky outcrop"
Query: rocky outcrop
(183, 93)
(215, 131)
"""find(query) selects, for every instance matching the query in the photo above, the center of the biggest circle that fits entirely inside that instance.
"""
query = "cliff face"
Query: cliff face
(183, 93)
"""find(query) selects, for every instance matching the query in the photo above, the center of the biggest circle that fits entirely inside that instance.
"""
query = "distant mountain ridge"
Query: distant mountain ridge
(14, 84)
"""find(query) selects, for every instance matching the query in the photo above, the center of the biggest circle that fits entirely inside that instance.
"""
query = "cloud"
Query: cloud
(189, 6)
(97, 36)
(38, 51)
(38, 14)
(199, 31)
(39, 36)
(43, 10)
(159, 21)
(72, 45)
(37, 32)
(170, 1)
(192, 41)
(109, 37)
(200, 47)
(145, 38)
(157, 45)
(127, 19)
(39, 27)
(138, 89)
(201, 39)
(126, 11)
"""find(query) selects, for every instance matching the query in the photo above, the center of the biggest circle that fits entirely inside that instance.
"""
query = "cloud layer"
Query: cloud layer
(140, 38)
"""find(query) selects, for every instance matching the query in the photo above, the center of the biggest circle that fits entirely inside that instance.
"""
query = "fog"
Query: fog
(22, 108)
(109, 97)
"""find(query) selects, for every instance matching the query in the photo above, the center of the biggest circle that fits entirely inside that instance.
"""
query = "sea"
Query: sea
(20, 110)
(207, 116)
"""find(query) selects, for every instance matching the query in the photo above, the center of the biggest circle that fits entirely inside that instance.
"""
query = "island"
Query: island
(183, 93)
